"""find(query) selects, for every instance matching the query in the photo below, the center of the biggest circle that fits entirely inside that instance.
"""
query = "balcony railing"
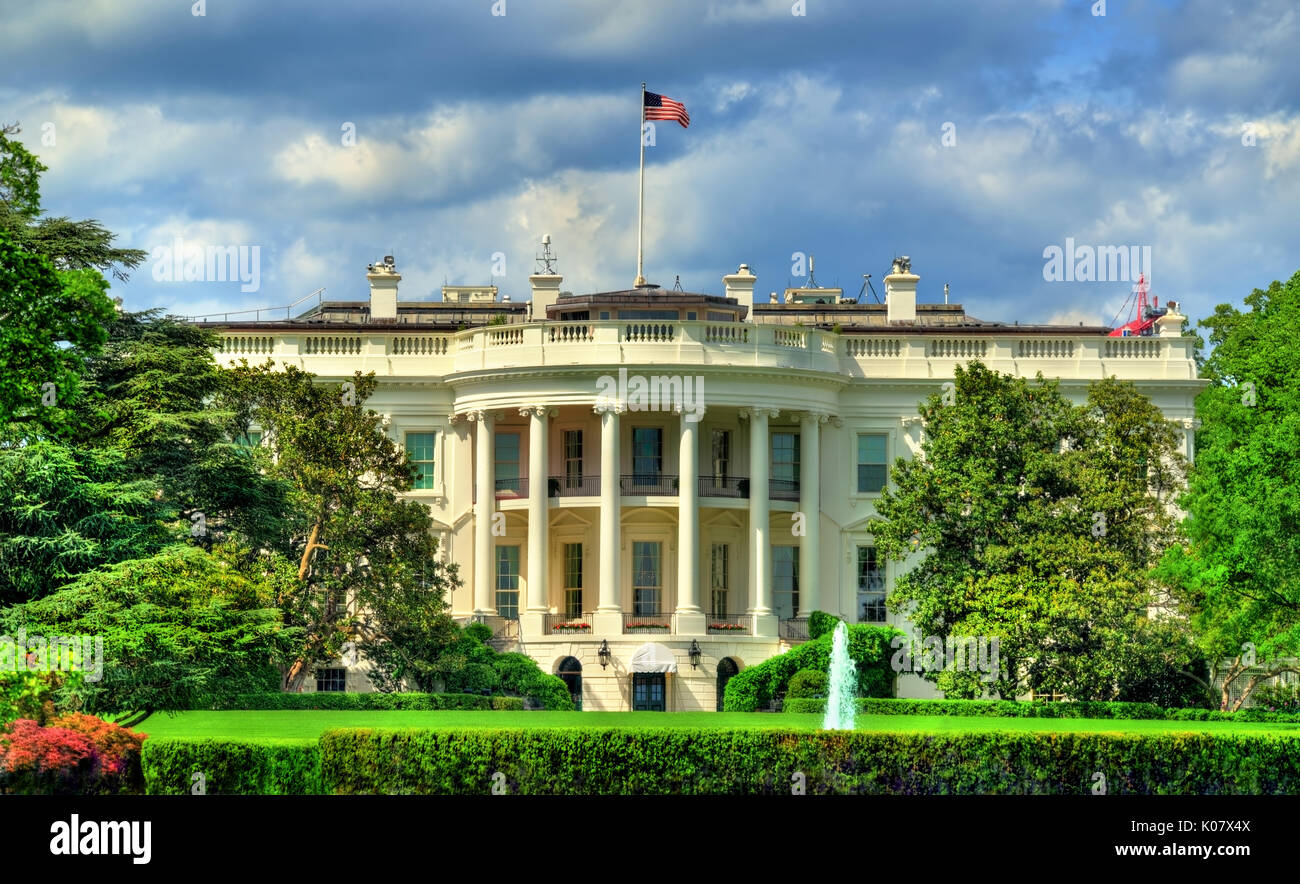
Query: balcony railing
(561, 624)
(573, 486)
(649, 484)
(506, 489)
(724, 486)
(657, 623)
(795, 629)
(729, 624)
(783, 489)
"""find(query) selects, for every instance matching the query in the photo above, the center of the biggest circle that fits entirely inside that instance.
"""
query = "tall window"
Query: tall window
(647, 577)
(249, 440)
(719, 579)
(785, 581)
(331, 680)
(507, 461)
(573, 580)
(419, 447)
(721, 453)
(507, 601)
(647, 454)
(872, 466)
(785, 461)
(871, 587)
(573, 458)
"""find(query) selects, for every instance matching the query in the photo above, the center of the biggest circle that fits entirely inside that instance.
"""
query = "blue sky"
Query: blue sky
(819, 133)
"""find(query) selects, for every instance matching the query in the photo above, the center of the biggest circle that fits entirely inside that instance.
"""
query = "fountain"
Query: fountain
(841, 705)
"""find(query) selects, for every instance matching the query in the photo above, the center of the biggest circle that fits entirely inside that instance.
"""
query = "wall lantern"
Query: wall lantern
(604, 653)
(695, 653)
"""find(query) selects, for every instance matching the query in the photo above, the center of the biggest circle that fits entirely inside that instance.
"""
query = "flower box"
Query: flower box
(729, 627)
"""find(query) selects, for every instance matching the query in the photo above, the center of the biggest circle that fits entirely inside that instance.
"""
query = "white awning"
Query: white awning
(651, 657)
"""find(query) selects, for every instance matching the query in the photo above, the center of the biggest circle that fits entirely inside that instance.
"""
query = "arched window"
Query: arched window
(570, 672)
(727, 667)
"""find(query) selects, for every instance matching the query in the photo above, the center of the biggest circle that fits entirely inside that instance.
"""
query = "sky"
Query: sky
(970, 135)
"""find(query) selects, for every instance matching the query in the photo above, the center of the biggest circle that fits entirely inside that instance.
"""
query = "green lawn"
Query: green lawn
(296, 725)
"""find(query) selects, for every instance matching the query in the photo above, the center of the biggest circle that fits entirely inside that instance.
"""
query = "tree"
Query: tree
(70, 245)
(1239, 575)
(1036, 522)
(361, 550)
(181, 629)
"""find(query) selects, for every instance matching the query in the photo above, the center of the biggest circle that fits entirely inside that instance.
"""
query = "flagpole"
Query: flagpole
(640, 200)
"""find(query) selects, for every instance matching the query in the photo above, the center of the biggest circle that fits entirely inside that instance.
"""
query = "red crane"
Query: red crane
(1146, 313)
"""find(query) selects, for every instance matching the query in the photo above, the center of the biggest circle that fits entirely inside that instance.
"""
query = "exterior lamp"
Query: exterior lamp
(695, 653)
(604, 653)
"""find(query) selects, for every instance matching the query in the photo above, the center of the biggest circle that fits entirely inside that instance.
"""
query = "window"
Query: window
(871, 587)
(648, 692)
(573, 580)
(507, 601)
(604, 314)
(721, 453)
(573, 458)
(331, 680)
(507, 461)
(249, 440)
(715, 316)
(419, 448)
(872, 465)
(690, 315)
(646, 577)
(719, 579)
(648, 314)
(647, 455)
(785, 581)
(785, 462)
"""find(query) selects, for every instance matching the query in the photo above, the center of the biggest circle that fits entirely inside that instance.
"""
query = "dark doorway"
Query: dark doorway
(726, 669)
(648, 692)
(570, 673)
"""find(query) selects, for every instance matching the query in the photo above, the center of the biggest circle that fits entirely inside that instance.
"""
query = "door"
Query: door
(648, 692)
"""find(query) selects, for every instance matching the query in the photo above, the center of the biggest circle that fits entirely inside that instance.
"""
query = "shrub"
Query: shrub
(820, 623)
(755, 687)
(374, 701)
(480, 632)
(1015, 709)
(808, 683)
(475, 678)
(231, 767)
(75, 755)
(684, 761)
(1277, 698)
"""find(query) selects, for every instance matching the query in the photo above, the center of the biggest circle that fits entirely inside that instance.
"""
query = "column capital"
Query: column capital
(609, 407)
(818, 417)
(453, 417)
(911, 420)
(542, 411)
(483, 416)
(1190, 423)
(698, 411)
(748, 413)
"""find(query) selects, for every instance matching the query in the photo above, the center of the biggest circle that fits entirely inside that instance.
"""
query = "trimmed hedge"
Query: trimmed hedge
(371, 701)
(695, 762)
(1015, 709)
(755, 687)
(231, 767)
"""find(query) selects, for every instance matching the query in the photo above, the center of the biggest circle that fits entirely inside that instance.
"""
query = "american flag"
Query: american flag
(661, 107)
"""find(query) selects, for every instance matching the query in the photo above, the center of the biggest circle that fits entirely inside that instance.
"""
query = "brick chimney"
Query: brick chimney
(900, 291)
(383, 278)
(740, 285)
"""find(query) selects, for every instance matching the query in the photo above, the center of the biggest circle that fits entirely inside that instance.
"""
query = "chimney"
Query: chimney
(1171, 324)
(740, 285)
(383, 279)
(545, 282)
(900, 291)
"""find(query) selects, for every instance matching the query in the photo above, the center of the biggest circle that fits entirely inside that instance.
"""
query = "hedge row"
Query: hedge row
(1015, 709)
(230, 767)
(694, 762)
(373, 701)
(869, 646)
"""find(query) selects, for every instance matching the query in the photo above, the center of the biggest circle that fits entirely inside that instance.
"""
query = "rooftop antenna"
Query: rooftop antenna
(945, 293)
(677, 286)
(546, 259)
(866, 284)
(812, 267)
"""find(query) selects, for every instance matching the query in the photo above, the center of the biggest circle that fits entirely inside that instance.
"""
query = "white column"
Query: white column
(608, 618)
(486, 495)
(689, 615)
(534, 619)
(810, 505)
(760, 551)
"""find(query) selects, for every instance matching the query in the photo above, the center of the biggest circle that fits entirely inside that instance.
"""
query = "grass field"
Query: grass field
(299, 725)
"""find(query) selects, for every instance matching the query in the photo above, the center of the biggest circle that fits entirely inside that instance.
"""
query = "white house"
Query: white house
(650, 490)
